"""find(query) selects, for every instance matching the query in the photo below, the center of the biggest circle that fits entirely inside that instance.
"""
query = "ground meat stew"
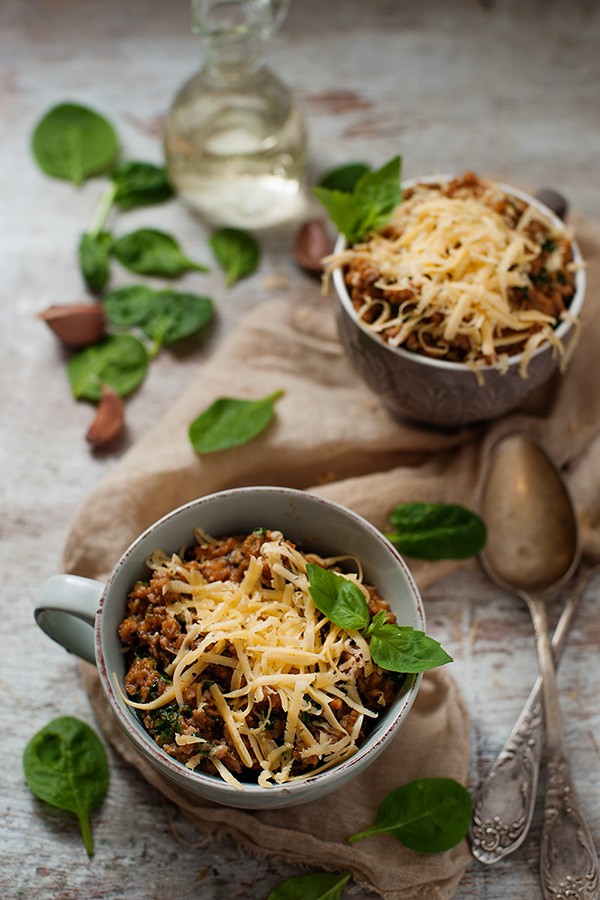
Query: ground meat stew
(463, 272)
(232, 669)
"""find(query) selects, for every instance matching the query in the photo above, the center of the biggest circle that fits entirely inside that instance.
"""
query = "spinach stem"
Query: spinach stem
(86, 831)
(155, 347)
(104, 208)
(368, 832)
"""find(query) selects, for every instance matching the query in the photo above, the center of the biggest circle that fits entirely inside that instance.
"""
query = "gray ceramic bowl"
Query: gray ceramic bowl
(438, 393)
(83, 615)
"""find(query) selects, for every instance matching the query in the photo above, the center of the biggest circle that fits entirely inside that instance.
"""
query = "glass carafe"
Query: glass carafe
(235, 141)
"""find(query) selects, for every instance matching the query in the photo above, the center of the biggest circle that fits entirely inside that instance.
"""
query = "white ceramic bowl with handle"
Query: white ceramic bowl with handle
(84, 615)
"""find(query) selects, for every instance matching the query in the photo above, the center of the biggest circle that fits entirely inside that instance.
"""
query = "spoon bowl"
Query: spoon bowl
(533, 538)
(532, 549)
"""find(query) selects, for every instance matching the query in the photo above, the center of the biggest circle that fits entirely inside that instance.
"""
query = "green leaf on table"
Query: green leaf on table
(315, 886)
(236, 251)
(368, 206)
(129, 305)
(437, 531)
(118, 360)
(94, 259)
(148, 251)
(65, 765)
(140, 184)
(428, 815)
(165, 316)
(401, 648)
(343, 178)
(176, 315)
(339, 599)
(73, 142)
(230, 422)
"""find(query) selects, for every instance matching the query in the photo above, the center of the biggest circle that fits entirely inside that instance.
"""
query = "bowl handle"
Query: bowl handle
(66, 612)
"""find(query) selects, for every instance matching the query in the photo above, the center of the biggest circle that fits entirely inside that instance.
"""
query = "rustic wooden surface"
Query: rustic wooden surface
(506, 88)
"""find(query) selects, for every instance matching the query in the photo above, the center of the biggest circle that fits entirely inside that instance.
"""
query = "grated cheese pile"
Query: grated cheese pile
(268, 631)
(452, 262)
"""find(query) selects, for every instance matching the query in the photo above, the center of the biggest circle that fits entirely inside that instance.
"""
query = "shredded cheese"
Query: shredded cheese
(452, 261)
(279, 648)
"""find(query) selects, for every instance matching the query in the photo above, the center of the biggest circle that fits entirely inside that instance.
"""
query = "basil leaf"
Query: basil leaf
(343, 211)
(94, 253)
(140, 184)
(374, 197)
(118, 360)
(400, 648)
(337, 598)
(379, 193)
(73, 142)
(65, 765)
(237, 253)
(230, 422)
(148, 251)
(127, 306)
(174, 316)
(343, 178)
(428, 815)
(437, 531)
(316, 886)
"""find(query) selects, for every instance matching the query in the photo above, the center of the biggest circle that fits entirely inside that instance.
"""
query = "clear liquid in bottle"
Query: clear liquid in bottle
(235, 140)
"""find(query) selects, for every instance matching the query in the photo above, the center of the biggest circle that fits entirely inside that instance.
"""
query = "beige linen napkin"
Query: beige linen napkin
(330, 436)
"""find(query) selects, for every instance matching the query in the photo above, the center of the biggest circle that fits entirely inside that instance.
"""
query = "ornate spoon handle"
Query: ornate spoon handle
(569, 863)
(503, 807)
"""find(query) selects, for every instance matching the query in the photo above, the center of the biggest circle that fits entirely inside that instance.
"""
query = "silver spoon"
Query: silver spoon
(532, 549)
(504, 804)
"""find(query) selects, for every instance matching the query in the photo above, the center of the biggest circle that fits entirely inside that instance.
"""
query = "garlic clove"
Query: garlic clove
(76, 324)
(311, 244)
(109, 422)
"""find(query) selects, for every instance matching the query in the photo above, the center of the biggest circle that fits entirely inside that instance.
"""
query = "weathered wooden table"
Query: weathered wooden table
(506, 88)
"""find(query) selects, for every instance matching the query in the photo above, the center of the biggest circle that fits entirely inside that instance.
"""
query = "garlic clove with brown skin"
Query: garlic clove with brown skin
(76, 324)
(109, 421)
(311, 244)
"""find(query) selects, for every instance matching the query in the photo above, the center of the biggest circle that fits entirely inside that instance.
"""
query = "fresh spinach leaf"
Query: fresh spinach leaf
(65, 765)
(428, 815)
(437, 531)
(368, 206)
(129, 305)
(236, 251)
(118, 360)
(148, 251)
(73, 142)
(400, 648)
(164, 316)
(94, 259)
(140, 184)
(230, 422)
(344, 178)
(315, 886)
(340, 600)
(175, 316)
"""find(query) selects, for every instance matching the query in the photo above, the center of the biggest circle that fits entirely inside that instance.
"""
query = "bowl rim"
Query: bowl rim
(561, 330)
(214, 784)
